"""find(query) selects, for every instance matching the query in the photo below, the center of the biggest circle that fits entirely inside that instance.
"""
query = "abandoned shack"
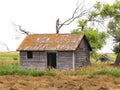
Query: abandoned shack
(59, 51)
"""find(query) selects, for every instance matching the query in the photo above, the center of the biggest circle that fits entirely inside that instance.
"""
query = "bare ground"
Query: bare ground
(59, 82)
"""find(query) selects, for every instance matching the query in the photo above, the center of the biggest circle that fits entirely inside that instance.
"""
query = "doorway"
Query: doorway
(51, 60)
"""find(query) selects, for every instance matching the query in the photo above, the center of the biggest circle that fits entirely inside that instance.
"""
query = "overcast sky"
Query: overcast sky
(38, 16)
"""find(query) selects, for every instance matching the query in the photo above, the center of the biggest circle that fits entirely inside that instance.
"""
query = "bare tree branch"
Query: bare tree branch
(20, 30)
(78, 12)
(7, 48)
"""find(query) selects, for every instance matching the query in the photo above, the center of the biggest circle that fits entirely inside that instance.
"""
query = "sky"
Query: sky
(38, 16)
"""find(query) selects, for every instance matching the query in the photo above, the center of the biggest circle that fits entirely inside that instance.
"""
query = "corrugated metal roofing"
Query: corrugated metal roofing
(45, 42)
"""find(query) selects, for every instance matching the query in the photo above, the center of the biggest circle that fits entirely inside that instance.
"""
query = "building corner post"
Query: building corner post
(73, 61)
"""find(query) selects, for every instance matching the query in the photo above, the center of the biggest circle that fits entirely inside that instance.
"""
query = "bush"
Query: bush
(15, 58)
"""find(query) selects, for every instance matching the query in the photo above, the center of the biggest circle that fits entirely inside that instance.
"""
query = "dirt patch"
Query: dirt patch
(59, 82)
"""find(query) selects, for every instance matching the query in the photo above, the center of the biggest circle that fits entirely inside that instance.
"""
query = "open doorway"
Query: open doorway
(51, 60)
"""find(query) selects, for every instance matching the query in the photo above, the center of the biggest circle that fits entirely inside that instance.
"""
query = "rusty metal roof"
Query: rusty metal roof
(45, 42)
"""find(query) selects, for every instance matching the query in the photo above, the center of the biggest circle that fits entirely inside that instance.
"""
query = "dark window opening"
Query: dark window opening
(29, 54)
(51, 60)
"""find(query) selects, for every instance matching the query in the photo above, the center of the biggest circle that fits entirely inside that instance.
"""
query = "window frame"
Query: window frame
(29, 54)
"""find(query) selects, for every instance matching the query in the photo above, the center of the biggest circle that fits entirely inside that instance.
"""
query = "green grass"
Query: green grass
(13, 68)
(9, 65)
(94, 69)
(114, 72)
(9, 56)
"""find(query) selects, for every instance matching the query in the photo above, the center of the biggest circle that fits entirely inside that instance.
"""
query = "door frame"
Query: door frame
(50, 56)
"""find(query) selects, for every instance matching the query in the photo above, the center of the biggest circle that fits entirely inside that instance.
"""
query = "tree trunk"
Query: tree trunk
(57, 26)
(117, 61)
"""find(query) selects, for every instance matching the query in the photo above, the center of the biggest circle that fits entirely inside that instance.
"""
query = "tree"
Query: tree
(114, 28)
(78, 12)
(112, 14)
(20, 30)
(5, 46)
(96, 38)
(89, 26)
(91, 19)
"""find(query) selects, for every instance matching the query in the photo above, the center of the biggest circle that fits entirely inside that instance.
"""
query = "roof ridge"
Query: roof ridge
(55, 34)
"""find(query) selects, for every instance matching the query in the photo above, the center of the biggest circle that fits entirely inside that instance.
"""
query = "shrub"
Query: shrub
(15, 58)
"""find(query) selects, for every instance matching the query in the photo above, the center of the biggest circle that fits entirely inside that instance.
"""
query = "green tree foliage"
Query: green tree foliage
(112, 13)
(96, 38)
(87, 26)
(108, 15)
(82, 23)
(105, 14)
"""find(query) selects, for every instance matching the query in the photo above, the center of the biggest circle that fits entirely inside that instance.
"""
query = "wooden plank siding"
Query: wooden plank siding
(38, 62)
(82, 55)
(65, 60)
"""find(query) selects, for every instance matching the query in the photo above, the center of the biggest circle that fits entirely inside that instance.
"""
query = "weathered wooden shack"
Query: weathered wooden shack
(59, 51)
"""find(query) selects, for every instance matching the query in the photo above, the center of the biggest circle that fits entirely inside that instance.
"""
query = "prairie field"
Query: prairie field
(9, 55)
(97, 76)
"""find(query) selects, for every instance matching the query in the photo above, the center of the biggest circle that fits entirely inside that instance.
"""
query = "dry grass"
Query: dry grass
(59, 82)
